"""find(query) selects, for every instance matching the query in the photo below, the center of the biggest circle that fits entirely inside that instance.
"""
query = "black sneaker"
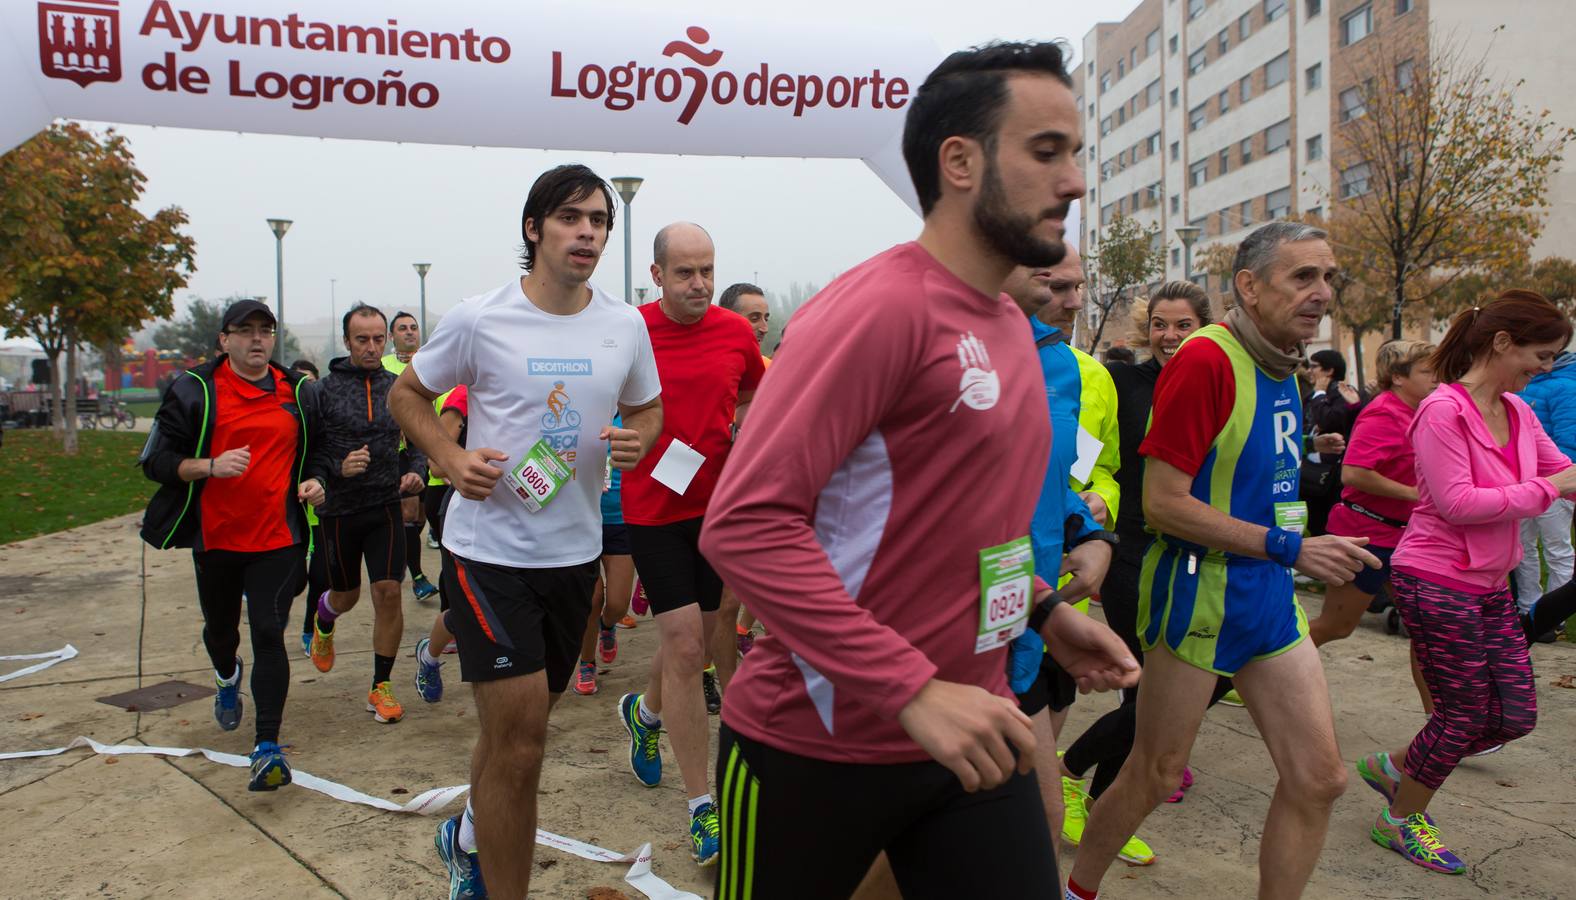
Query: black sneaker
(708, 683)
(227, 700)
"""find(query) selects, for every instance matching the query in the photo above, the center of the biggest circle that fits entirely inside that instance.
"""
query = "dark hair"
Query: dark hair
(554, 188)
(1330, 359)
(1182, 290)
(361, 309)
(1120, 355)
(730, 296)
(1527, 316)
(305, 365)
(963, 97)
(400, 315)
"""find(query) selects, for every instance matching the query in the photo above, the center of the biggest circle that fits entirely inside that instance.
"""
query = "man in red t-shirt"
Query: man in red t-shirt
(709, 364)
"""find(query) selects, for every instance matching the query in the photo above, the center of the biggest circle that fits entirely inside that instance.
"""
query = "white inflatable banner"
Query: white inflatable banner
(479, 72)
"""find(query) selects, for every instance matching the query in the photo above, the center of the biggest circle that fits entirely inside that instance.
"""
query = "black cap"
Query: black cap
(240, 309)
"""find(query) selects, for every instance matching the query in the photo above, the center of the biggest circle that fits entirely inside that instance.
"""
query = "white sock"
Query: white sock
(697, 802)
(227, 682)
(426, 656)
(647, 717)
(1389, 767)
(467, 838)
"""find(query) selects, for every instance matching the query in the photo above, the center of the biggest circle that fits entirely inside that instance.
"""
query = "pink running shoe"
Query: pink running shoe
(1187, 782)
(638, 604)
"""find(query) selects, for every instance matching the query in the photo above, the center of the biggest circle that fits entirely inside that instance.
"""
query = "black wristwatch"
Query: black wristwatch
(1042, 611)
(1109, 537)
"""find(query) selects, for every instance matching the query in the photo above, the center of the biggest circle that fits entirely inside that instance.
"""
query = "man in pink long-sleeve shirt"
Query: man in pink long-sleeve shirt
(906, 430)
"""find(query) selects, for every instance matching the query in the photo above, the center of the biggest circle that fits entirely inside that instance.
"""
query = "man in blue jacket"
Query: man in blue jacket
(1552, 397)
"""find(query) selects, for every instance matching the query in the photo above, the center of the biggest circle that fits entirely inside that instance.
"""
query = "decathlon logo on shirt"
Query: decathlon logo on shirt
(558, 367)
(980, 387)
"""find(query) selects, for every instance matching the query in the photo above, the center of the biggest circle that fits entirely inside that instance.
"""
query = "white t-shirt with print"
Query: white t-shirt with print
(532, 375)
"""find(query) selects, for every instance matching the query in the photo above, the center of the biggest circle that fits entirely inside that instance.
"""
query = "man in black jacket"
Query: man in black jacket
(227, 448)
(366, 471)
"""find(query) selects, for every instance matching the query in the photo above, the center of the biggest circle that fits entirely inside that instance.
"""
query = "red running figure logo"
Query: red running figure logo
(79, 40)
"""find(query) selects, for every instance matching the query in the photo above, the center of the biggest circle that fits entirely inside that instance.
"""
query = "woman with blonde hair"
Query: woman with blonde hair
(1380, 478)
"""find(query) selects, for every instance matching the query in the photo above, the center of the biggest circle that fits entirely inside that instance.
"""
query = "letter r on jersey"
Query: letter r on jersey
(1285, 433)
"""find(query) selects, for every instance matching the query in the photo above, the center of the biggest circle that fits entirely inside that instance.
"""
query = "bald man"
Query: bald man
(709, 363)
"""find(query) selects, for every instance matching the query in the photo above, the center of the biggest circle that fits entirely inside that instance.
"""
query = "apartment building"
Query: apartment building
(1224, 114)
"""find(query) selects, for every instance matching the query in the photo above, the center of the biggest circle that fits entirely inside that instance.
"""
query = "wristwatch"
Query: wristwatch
(1110, 537)
(1042, 611)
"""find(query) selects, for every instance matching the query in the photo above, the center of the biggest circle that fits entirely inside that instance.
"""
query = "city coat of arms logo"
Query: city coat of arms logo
(79, 40)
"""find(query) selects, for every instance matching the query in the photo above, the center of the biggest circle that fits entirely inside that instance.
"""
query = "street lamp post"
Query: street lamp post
(1187, 234)
(421, 270)
(626, 188)
(279, 226)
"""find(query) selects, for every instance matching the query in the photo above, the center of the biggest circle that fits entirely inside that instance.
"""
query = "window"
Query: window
(1194, 7)
(1176, 254)
(1315, 7)
(1105, 82)
(1176, 205)
(1132, 202)
(1314, 147)
(1278, 203)
(1091, 196)
(1245, 88)
(1152, 43)
(1223, 41)
(1121, 69)
(1275, 71)
(1247, 150)
(1152, 93)
(1274, 9)
(1354, 181)
(1352, 106)
(1091, 68)
(1175, 97)
(1091, 152)
(1173, 45)
(1198, 173)
(1225, 102)
(1404, 75)
(1152, 144)
(1196, 60)
(1176, 150)
(1105, 214)
(1245, 210)
(1244, 26)
(1121, 114)
(1225, 221)
(1357, 25)
(1313, 76)
(1402, 7)
(1277, 136)
(1152, 194)
(1105, 126)
(1316, 212)
(1225, 161)
(1091, 110)
(1196, 117)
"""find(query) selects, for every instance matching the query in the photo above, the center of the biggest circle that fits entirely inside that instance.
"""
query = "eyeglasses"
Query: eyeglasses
(265, 331)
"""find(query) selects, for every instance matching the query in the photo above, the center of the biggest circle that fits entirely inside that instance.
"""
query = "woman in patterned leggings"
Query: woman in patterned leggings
(1483, 463)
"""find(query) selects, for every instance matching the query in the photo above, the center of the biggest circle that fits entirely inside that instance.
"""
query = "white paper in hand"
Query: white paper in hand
(1089, 448)
(677, 467)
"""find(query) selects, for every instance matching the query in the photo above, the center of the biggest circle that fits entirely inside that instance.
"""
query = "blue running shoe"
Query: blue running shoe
(645, 756)
(306, 644)
(270, 771)
(465, 872)
(423, 588)
(705, 835)
(429, 676)
(227, 702)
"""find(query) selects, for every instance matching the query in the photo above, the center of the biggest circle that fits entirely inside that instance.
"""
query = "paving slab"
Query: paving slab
(76, 825)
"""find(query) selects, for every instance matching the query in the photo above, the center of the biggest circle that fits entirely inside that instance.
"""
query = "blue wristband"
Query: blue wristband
(1282, 546)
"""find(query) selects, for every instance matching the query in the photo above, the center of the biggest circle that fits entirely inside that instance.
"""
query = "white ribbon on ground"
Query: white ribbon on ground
(50, 658)
(426, 803)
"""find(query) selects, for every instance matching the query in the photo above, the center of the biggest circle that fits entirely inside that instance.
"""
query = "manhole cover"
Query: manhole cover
(158, 696)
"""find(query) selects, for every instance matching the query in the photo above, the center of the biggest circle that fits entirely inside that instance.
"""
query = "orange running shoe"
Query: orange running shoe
(628, 622)
(382, 705)
(322, 651)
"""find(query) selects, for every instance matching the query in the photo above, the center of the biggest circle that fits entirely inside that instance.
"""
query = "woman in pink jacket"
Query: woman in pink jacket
(1483, 464)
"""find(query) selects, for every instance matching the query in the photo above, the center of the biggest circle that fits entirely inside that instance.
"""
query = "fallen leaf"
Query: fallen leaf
(596, 750)
(399, 791)
(183, 723)
(1502, 782)
(545, 864)
(606, 893)
(1566, 681)
(1366, 658)
(111, 760)
(28, 717)
(23, 494)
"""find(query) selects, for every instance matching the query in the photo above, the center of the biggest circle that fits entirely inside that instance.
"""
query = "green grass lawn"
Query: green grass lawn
(143, 409)
(43, 490)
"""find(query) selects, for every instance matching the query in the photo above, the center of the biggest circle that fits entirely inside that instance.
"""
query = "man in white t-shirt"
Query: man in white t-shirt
(547, 360)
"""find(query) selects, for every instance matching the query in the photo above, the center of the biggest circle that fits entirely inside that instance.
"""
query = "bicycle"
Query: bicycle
(113, 415)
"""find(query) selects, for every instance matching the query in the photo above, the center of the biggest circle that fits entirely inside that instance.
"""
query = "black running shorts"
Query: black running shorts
(376, 536)
(777, 810)
(671, 567)
(509, 622)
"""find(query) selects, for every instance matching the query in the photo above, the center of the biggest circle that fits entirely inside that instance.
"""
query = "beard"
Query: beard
(1011, 233)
